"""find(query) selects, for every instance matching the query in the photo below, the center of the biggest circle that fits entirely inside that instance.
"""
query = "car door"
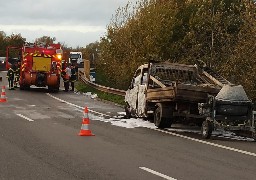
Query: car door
(141, 98)
(131, 96)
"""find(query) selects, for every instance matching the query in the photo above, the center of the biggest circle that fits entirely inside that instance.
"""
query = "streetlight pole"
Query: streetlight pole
(212, 32)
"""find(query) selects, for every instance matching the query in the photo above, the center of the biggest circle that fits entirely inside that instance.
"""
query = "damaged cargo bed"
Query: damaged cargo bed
(168, 93)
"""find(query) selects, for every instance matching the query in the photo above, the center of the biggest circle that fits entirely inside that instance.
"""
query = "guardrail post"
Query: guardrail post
(87, 69)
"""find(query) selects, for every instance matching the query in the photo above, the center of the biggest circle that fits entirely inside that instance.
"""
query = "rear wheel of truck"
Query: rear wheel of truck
(53, 89)
(21, 87)
(159, 120)
(206, 129)
(24, 87)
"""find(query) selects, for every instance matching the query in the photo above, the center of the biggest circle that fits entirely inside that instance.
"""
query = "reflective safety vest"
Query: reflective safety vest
(17, 72)
(10, 74)
(65, 75)
(73, 75)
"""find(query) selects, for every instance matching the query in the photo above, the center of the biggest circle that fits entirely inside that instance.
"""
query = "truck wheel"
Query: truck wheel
(206, 129)
(53, 89)
(24, 87)
(254, 135)
(159, 120)
(128, 113)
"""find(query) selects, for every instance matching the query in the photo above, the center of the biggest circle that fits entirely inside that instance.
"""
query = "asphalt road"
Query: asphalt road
(38, 140)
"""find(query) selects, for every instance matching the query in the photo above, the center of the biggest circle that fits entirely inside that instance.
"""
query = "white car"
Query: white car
(2, 63)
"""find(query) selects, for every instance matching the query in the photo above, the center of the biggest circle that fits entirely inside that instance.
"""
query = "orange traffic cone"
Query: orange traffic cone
(3, 95)
(85, 131)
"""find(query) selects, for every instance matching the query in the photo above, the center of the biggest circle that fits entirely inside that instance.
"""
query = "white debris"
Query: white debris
(93, 96)
(138, 122)
(88, 93)
(127, 123)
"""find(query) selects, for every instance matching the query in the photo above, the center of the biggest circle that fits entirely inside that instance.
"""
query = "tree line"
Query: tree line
(222, 33)
(16, 40)
(11, 40)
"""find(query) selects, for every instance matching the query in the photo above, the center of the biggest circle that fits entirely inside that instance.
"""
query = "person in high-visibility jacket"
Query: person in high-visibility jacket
(17, 74)
(10, 76)
(65, 74)
(72, 77)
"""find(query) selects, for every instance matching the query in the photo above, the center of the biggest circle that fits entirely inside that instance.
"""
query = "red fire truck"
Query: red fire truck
(40, 65)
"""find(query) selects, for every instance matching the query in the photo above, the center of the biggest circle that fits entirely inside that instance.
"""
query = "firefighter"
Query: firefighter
(17, 74)
(10, 75)
(76, 68)
(65, 74)
(73, 77)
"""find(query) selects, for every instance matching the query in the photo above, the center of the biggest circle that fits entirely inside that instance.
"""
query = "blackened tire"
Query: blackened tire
(127, 110)
(206, 129)
(160, 121)
(254, 135)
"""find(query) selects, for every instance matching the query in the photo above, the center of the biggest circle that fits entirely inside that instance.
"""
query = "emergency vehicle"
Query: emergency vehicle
(40, 65)
(76, 58)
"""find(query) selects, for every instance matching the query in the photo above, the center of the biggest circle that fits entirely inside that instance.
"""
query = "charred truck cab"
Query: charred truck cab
(168, 93)
(40, 66)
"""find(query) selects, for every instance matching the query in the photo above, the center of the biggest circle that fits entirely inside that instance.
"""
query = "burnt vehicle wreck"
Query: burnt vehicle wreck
(168, 93)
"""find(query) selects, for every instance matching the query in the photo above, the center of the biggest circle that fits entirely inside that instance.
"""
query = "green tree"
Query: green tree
(219, 32)
(14, 40)
(46, 40)
(2, 43)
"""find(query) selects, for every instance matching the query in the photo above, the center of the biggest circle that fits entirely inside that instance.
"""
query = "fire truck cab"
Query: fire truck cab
(40, 66)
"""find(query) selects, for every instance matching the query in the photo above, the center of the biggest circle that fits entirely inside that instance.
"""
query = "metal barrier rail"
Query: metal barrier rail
(100, 87)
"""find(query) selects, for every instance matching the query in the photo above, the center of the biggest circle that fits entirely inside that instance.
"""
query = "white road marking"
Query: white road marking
(79, 107)
(171, 133)
(24, 117)
(157, 173)
(208, 143)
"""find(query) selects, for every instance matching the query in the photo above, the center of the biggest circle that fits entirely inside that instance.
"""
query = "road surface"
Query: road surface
(39, 140)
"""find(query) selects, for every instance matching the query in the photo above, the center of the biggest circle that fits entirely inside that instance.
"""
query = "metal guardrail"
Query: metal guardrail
(100, 87)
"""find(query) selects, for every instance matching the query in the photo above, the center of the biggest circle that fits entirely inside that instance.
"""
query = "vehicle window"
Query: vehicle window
(137, 73)
(144, 76)
(137, 77)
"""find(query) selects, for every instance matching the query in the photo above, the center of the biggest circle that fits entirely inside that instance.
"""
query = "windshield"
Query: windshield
(74, 56)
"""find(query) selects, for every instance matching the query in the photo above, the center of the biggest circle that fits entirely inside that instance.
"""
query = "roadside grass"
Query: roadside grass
(81, 87)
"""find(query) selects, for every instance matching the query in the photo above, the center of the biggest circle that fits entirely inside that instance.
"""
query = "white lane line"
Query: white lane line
(171, 133)
(79, 107)
(208, 143)
(157, 173)
(24, 117)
